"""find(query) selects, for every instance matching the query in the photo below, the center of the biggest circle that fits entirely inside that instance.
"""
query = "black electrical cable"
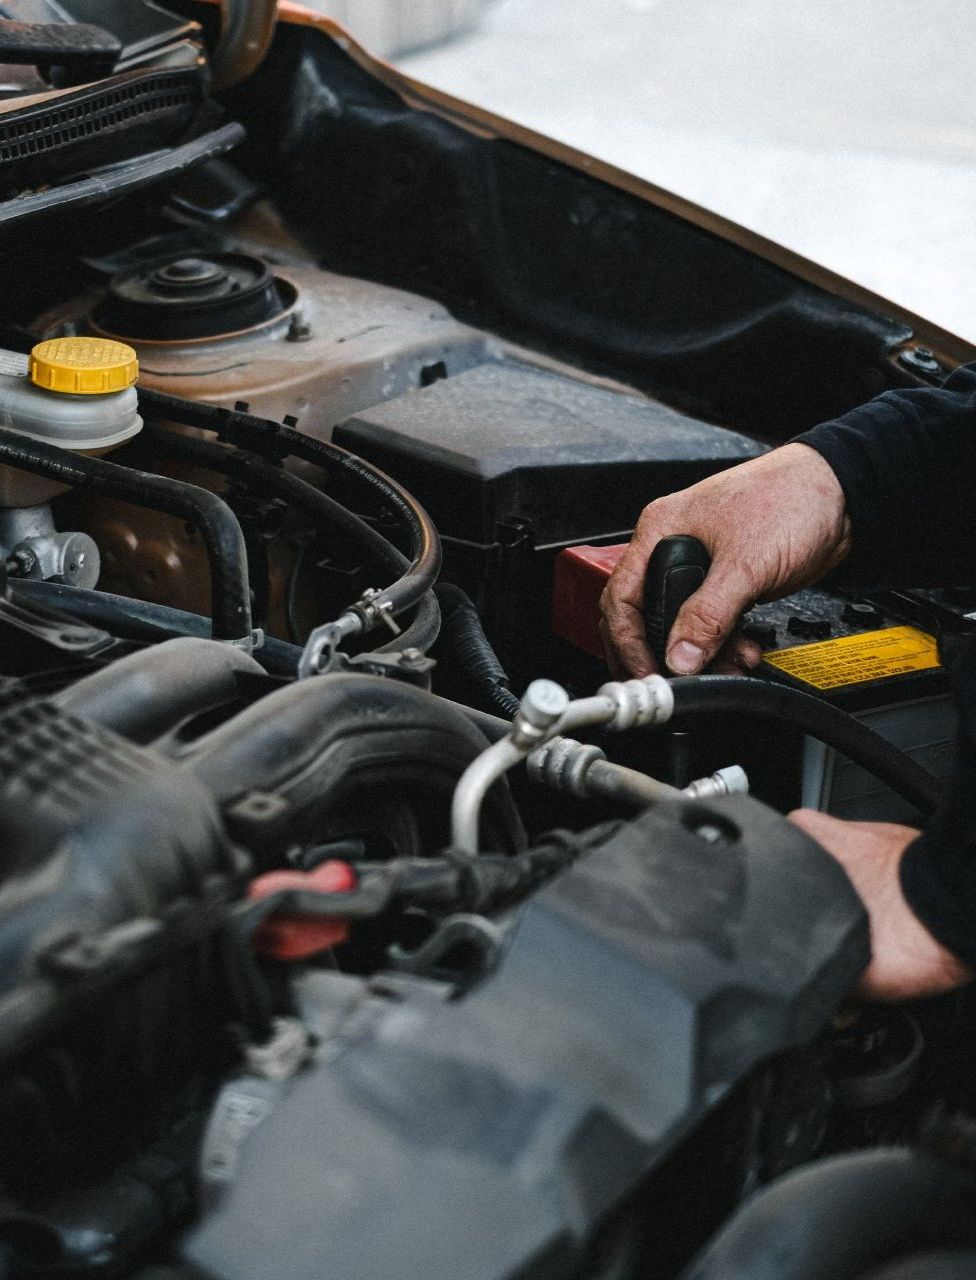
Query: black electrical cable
(696, 696)
(272, 439)
(221, 533)
(463, 637)
(491, 884)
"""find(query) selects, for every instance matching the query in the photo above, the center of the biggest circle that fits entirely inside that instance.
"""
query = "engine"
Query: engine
(353, 921)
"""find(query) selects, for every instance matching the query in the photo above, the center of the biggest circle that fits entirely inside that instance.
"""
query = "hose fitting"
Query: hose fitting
(563, 763)
(638, 703)
(730, 781)
(542, 705)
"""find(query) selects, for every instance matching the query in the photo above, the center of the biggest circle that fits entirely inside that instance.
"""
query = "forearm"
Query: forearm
(906, 462)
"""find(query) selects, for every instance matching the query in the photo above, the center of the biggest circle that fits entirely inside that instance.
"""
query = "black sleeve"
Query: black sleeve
(938, 871)
(907, 464)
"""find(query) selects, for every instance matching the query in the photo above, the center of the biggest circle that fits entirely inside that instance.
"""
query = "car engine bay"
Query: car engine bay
(352, 920)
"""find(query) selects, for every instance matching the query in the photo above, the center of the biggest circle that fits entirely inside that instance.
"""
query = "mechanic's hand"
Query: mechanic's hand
(771, 526)
(907, 963)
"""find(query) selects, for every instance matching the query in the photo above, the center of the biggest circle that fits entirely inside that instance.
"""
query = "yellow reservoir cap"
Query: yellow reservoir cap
(83, 366)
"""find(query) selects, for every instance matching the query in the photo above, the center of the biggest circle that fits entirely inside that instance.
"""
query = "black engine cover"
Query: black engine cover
(487, 1136)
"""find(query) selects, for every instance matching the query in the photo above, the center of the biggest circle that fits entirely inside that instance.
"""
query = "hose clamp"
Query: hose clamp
(372, 608)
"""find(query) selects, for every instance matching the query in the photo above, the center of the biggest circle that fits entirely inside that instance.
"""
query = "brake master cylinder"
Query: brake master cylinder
(78, 394)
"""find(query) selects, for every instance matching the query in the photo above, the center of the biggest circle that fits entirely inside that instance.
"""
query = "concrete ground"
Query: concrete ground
(845, 129)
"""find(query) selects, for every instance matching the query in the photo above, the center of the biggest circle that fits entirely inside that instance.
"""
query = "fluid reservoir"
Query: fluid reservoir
(77, 393)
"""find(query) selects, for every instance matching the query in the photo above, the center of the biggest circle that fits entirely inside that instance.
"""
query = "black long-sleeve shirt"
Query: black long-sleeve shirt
(906, 462)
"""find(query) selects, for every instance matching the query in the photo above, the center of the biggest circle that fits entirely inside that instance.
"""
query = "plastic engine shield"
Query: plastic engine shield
(435, 1139)
(98, 836)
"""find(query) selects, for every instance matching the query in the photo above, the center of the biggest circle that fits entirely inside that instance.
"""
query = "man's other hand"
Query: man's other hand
(771, 526)
(906, 961)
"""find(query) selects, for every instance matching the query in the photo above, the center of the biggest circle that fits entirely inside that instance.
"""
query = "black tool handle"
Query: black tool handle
(676, 570)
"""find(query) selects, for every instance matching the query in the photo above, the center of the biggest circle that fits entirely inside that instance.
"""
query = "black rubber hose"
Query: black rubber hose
(463, 636)
(221, 533)
(425, 544)
(328, 514)
(696, 696)
(139, 620)
(265, 436)
(838, 1218)
(264, 477)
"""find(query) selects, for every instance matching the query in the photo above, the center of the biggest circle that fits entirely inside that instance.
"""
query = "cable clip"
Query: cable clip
(248, 643)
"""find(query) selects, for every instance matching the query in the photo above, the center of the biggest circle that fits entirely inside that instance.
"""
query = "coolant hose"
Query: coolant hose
(696, 696)
(841, 1217)
(463, 636)
(144, 694)
(263, 435)
(221, 533)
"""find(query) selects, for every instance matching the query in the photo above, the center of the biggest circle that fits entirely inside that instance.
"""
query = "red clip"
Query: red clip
(579, 577)
(292, 936)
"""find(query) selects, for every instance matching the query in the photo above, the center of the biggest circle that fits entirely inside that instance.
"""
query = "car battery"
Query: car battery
(514, 463)
(874, 657)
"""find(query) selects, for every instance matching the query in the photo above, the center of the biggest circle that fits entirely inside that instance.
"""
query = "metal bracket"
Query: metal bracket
(320, 655)
(65, 635)
(409, 665)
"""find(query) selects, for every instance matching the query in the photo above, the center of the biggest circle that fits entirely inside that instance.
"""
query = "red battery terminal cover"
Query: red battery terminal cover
(291, 935)
(579, 577)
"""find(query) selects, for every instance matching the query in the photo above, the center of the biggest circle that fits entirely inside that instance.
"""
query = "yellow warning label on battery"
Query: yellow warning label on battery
(872, 655)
